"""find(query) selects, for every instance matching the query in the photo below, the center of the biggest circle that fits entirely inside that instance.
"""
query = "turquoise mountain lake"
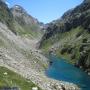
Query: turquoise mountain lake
(61, 70)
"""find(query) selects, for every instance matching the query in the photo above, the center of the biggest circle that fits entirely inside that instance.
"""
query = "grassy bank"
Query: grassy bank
(9, 78)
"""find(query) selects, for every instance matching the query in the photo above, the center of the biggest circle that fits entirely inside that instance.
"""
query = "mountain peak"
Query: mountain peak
(18, 8)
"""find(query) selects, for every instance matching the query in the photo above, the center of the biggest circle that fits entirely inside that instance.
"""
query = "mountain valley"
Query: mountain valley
(26, 43)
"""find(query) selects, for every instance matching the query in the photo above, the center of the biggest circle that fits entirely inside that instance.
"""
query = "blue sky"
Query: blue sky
(46, 10)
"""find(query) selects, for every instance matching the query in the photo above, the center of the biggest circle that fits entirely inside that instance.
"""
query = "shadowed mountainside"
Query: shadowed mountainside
(69, 36)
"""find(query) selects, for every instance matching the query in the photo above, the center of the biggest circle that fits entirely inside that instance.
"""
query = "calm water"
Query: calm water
(61, 70)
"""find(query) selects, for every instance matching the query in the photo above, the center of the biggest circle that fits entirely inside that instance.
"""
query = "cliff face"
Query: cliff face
(69, 37)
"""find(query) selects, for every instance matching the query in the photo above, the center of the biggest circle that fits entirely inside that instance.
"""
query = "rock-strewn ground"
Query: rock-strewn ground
(19, 55)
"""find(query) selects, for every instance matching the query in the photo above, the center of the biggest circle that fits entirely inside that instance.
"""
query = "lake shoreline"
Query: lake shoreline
(69, 73)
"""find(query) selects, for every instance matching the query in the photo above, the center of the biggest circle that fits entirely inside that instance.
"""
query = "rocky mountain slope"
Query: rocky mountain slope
(6, 16)
(69, 36)
(25, 25)
(18, 52)
(19, 21)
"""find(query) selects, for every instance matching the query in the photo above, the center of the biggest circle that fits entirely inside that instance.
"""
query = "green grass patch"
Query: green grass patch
(12, 79)
(72, 39)
(27, 30)
(1, 43)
